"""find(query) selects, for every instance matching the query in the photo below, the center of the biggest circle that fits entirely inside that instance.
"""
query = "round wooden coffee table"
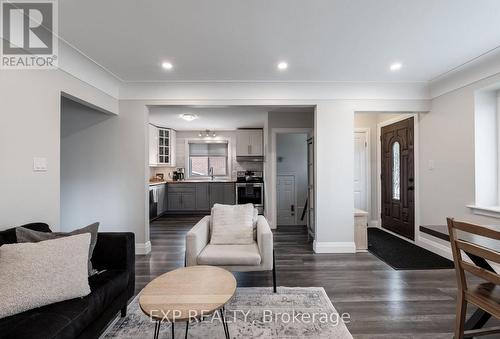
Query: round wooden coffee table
(187, 293)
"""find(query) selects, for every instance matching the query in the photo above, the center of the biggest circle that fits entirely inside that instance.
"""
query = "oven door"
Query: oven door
(250, 194)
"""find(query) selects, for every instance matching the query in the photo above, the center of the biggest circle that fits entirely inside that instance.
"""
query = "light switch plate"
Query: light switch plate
(39, 164)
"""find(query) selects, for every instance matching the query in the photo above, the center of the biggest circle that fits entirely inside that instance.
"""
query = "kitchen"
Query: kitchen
(193, 167)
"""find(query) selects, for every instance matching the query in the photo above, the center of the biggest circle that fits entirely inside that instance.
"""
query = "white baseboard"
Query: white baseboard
(435, 247)
(143, 248)
(373, 223)
(334, 247)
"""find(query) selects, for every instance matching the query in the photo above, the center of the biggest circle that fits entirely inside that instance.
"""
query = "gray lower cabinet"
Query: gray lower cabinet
(202, 196)
(162, 196)
(222, 193)
(199, 197)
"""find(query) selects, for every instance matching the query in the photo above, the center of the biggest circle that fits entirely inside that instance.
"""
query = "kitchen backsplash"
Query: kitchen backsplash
(183, 136)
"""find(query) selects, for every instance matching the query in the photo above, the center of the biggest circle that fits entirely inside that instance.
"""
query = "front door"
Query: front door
(398, 179)
(286, 199)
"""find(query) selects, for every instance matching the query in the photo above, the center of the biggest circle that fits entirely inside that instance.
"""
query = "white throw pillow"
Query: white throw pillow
(37, 274)
(232, 224)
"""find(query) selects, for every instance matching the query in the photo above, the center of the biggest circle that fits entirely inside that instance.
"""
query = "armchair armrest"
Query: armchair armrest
(116, 250)
(265, 242)
(196, 240)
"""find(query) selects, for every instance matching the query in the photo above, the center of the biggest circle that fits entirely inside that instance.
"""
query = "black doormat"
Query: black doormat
(402, 255)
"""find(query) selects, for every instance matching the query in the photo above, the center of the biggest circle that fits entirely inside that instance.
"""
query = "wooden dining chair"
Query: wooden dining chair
(483, 295)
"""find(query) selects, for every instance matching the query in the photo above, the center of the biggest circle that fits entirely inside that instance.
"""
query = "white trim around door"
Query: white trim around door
(368, 171)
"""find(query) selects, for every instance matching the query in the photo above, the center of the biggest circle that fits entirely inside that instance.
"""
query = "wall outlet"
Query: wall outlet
(39, 164)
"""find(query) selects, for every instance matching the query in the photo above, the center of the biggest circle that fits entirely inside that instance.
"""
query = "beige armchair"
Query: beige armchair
(258, 256)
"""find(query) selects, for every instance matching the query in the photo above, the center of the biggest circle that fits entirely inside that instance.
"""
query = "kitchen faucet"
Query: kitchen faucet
(211, 172)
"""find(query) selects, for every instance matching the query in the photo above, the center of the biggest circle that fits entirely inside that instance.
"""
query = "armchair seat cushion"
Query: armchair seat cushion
(230, 255)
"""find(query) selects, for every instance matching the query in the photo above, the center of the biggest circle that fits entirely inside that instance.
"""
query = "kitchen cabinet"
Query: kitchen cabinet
(162, 196)
(161, 146)
(249, 142)
(202, 196)
(222, 193)
(181, 197)
(199, 196)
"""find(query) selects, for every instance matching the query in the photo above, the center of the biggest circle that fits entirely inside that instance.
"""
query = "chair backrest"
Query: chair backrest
(458, 244)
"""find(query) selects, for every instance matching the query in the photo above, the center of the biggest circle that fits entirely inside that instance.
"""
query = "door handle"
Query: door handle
(292, 208)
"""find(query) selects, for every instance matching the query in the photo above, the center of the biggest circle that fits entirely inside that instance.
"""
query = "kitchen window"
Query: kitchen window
(207, 155)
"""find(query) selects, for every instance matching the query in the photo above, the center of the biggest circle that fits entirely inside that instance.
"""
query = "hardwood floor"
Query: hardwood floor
(382, 302)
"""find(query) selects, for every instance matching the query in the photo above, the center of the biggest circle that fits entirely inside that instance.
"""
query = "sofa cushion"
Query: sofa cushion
(232, 224)
(67, 319)
(230, 255)
(38, 274)
(24, 234)
(8, 236)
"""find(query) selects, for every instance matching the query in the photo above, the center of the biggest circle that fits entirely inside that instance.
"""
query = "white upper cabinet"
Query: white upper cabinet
(161, 146)
(249, 142)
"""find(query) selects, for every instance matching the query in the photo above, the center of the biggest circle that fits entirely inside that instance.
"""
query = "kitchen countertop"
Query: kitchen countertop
(154, 183)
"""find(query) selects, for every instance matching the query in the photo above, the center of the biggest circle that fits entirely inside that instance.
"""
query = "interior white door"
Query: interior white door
(360, 174)
(286, 199)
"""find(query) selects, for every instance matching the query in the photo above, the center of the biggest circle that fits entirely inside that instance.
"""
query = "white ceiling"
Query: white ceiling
(223, 118)
(241, 40)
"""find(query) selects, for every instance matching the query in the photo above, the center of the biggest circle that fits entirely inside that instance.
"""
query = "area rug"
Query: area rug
(402, 255)
(254, 312)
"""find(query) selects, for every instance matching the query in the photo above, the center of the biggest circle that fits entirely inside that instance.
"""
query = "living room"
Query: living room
(422, 75)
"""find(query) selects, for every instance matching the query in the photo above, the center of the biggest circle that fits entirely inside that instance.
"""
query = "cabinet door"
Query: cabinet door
(188, 201)
(161, 199)
(174, 201)
(229, 193)
(153, 145)
(243, 142)
(216, 194)
(202, 197)
(256, 143)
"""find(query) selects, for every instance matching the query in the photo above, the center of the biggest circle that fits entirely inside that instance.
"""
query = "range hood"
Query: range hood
(250, 158)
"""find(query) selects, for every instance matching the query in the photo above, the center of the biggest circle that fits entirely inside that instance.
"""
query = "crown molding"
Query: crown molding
(483, 67)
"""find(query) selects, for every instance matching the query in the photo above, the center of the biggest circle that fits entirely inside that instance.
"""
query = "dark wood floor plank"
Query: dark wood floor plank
(382, 302)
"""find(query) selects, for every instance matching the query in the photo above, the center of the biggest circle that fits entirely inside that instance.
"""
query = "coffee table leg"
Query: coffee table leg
(173, 328)
(157, 329)
(226, 329)
(187, 328)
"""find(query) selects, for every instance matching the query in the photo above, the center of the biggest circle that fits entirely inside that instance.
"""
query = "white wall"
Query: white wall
(102, 164)
(30, 127)
(334, 154)
(291, 152)
(447, 139)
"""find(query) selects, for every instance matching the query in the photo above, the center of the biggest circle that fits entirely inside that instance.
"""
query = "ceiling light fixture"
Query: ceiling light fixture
(207, 133)
(282, 65)
(188, 116)
(396, 66)
(167, 65)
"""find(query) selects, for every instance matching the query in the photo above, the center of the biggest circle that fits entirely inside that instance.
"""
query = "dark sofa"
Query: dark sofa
(85, 317)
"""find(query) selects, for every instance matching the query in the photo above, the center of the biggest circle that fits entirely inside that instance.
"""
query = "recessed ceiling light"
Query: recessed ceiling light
(188, 116)
(396, 66)
(282, 65)
(167, 65)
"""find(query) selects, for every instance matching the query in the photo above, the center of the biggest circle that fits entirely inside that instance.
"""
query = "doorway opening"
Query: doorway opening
(291, 178)
(369, 193)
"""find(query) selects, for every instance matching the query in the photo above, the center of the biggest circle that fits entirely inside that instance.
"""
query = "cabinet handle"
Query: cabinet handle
(249, 149)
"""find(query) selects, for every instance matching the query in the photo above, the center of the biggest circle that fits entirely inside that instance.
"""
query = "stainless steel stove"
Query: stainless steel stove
(250, 189)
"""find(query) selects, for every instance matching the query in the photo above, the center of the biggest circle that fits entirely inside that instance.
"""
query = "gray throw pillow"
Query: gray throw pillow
(27, 235)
